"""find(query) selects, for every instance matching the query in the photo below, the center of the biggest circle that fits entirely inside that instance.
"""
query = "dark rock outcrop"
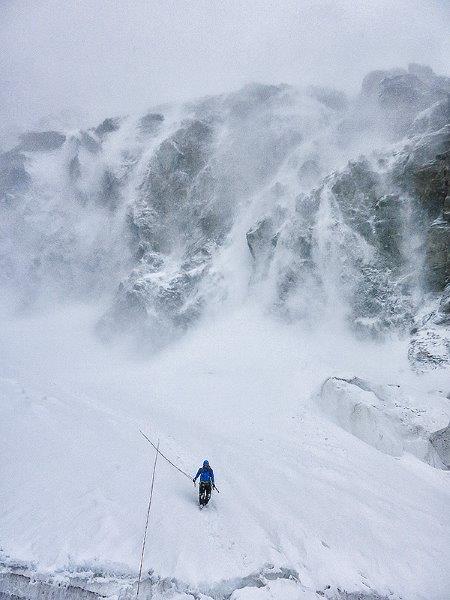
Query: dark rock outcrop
(446, 209)
(14, 178)
(41, 141)
(108, 126)
(400, 97)
(110, 189)
(150, 123)
(437, 256)
(260, 238)
(430, 181)
(331, 98)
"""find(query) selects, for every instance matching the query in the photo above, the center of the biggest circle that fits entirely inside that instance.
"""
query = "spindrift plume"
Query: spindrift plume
(318, 207)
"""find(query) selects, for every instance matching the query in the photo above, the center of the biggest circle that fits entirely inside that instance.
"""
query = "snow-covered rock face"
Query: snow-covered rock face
(166, 215)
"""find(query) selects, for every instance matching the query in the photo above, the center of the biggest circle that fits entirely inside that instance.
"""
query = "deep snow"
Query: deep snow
(297, 491)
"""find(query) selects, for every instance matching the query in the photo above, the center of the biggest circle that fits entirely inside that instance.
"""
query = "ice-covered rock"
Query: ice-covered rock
(432, 119)
(261, 236)
(346, 242)
(429, 345)
(262, 239)
(399, 96)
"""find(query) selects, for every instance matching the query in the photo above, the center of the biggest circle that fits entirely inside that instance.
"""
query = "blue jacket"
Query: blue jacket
(206, 475)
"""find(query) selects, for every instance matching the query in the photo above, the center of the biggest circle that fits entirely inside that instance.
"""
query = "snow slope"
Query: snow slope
(305, 507)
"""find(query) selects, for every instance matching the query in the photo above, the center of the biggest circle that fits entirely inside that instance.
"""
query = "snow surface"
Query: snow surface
(307, 503)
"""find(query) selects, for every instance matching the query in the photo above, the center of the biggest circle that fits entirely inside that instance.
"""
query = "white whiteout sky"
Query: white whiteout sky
(107, 57)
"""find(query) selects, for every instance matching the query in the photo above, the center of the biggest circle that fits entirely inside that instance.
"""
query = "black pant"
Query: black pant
(204, 492)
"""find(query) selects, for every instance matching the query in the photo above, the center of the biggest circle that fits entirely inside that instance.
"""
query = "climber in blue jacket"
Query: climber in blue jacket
(206, 475)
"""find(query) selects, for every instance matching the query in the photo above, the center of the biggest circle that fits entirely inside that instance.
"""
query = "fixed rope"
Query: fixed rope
(169, 461)
(165, 457)
(148, 514)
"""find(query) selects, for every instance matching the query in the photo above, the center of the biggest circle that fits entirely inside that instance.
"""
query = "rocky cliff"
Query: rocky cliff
(325, 207)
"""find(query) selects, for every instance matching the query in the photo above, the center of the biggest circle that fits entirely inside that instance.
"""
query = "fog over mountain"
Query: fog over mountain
(227, 226)
(114, 57)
